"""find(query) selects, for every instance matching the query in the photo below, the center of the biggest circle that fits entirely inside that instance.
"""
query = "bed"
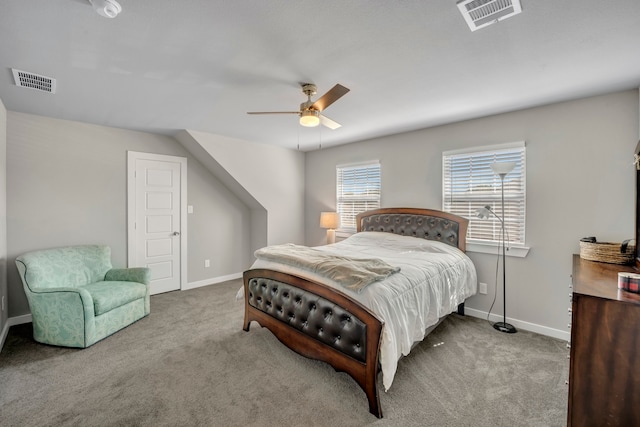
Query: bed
(364, 331)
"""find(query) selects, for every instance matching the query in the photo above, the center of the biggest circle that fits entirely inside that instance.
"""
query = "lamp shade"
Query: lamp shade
(502, 168)
(310, 118)
(329, 220)
(484, 213)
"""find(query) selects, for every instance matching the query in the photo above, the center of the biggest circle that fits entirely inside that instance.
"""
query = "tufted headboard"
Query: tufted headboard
(424, 223)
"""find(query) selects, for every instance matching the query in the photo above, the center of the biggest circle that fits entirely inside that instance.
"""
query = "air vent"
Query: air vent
(480, 13)
(34, 81)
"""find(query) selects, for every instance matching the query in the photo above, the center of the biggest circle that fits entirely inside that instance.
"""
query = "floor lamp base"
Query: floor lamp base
(505, 327)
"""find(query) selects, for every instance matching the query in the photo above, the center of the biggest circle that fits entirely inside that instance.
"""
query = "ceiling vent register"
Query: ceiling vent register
(480, 13)
(34, 81)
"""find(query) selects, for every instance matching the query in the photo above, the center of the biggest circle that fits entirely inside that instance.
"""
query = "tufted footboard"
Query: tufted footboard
(317, 322)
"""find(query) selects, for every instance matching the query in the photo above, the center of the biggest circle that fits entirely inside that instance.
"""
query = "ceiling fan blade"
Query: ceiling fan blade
(273, 112)
(336, 92)
(326, 121)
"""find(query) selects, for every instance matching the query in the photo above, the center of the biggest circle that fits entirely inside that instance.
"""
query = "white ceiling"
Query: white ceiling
(165, 65)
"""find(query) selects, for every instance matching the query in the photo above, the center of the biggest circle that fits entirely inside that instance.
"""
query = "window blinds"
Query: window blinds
(358, 190)
(469, 184)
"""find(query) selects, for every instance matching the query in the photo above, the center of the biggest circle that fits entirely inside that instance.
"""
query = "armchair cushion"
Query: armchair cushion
(109, 295)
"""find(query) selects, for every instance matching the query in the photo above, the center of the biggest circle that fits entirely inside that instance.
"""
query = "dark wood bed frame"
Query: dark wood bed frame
(323, 323)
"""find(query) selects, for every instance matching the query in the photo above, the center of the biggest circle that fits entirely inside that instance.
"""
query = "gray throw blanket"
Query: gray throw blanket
(351, 273)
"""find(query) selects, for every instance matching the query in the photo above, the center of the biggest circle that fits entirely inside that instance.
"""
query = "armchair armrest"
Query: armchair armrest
(135, 274)
(62, 316)
(56, 295)
(82, 292)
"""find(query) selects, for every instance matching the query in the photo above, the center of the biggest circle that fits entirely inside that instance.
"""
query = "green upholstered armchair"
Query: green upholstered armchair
(76, 298)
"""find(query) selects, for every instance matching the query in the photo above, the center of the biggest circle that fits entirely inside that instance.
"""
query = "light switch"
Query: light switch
(190, 209)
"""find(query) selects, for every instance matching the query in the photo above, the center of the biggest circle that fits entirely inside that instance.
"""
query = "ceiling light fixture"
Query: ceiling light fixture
(106, 8)
(310, 118)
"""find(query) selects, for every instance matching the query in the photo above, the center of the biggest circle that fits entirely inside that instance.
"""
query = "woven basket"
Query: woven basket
(606, 252)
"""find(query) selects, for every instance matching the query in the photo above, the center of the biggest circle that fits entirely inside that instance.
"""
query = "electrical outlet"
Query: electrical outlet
(207, 263)
(483, 288)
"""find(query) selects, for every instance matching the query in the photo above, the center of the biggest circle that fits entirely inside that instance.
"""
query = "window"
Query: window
(469, 184)
(358, 190)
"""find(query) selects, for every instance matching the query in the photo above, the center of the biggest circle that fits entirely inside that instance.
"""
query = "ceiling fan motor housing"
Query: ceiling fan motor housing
(309, 89)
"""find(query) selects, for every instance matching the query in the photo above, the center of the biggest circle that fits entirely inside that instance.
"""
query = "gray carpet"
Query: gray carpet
(190, 363)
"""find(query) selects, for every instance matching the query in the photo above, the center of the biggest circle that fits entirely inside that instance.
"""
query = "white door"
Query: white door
(156, 235)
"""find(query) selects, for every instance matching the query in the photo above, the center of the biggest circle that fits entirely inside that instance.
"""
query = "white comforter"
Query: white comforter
(433, 279)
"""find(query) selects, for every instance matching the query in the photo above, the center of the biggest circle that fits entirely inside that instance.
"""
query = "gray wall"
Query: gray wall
(66, 184)
(580, 182)
(3, 214)
(258, 228)
(274, 176)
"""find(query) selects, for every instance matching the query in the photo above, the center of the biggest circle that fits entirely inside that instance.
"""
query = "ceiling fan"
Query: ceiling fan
(310, 111)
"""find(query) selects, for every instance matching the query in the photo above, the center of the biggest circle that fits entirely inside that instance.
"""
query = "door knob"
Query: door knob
(176, 233)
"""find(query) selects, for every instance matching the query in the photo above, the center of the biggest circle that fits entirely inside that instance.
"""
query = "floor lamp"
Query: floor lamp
(501, 169)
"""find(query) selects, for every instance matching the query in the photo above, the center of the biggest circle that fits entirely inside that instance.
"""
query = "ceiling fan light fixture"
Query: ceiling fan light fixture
(310, 118)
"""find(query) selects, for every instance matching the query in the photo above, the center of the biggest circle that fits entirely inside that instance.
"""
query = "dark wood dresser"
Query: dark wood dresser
(604, 373)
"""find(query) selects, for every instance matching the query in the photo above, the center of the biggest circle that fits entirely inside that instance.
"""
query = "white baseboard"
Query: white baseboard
(532, 327)
(213, 281)
(12, 321)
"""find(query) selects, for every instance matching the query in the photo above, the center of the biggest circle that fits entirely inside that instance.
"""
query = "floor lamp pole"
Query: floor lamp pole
(504, 326)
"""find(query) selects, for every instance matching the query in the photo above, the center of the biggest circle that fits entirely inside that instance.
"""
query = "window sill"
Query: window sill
(488, 248)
